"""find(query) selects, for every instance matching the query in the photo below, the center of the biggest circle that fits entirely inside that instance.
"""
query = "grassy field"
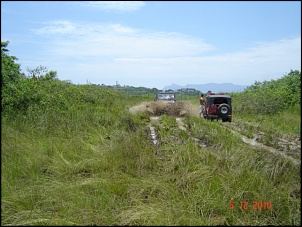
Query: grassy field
(96, 165)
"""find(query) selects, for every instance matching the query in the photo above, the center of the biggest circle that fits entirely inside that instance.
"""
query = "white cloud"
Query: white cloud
(117, 41)
(114, 5)
(58, 28)
(104, 53)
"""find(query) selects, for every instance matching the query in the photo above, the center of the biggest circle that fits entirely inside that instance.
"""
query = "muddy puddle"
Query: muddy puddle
(152, 131)
(152, 134)
(253, 142)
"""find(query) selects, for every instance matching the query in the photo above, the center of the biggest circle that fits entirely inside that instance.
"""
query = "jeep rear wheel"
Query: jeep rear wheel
(223, 109)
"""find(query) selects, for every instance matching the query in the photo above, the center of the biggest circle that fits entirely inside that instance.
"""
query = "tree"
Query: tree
(10, 70)
(18, 92)
(12, 89)
(41, 73)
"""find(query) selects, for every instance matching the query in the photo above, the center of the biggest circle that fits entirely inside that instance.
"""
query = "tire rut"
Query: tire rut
(253, 142)
(193, 110)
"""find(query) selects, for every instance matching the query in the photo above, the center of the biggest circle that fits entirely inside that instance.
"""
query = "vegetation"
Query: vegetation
(271, 97)
(73, 155)
(183, 93)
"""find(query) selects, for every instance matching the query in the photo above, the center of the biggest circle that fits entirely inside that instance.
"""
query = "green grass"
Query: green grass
(287, 122)
(95, 165)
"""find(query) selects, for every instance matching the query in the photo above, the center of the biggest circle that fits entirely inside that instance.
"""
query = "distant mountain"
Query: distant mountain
(214, 87)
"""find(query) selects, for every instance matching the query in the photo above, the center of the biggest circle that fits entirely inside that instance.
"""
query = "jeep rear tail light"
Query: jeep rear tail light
(213, 109)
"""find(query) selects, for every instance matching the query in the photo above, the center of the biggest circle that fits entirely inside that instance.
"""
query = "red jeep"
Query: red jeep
(218, 106)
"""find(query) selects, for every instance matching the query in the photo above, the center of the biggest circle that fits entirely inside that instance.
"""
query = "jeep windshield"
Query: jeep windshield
(165, 96)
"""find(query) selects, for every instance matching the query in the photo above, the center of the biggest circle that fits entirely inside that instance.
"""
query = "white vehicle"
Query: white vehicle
(166, 97)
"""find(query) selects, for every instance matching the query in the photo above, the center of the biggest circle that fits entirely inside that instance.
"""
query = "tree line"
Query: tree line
(43, 88)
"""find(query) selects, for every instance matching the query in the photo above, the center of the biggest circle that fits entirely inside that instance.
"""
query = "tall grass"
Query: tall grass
(94, 164)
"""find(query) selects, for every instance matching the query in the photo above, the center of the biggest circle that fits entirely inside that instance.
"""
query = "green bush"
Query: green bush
(270, 97)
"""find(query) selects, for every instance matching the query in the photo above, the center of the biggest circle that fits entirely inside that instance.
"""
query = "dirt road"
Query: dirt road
(187, 108)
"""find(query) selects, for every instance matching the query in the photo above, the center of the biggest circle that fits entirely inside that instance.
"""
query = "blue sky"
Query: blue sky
(155, 43)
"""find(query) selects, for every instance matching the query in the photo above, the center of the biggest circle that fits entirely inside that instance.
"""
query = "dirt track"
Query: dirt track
(188, 109)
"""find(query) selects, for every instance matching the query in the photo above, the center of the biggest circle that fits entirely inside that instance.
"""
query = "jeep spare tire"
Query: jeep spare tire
(223, 109)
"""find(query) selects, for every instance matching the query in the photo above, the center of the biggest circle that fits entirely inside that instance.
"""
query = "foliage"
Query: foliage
(10, 70)
(12, 90)
(41, 73)
(20, 92)
(270, 97)
(133, 90)
(182, 93)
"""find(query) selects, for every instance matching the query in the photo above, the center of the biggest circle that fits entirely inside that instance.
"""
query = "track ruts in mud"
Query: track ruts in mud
(188, 109)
